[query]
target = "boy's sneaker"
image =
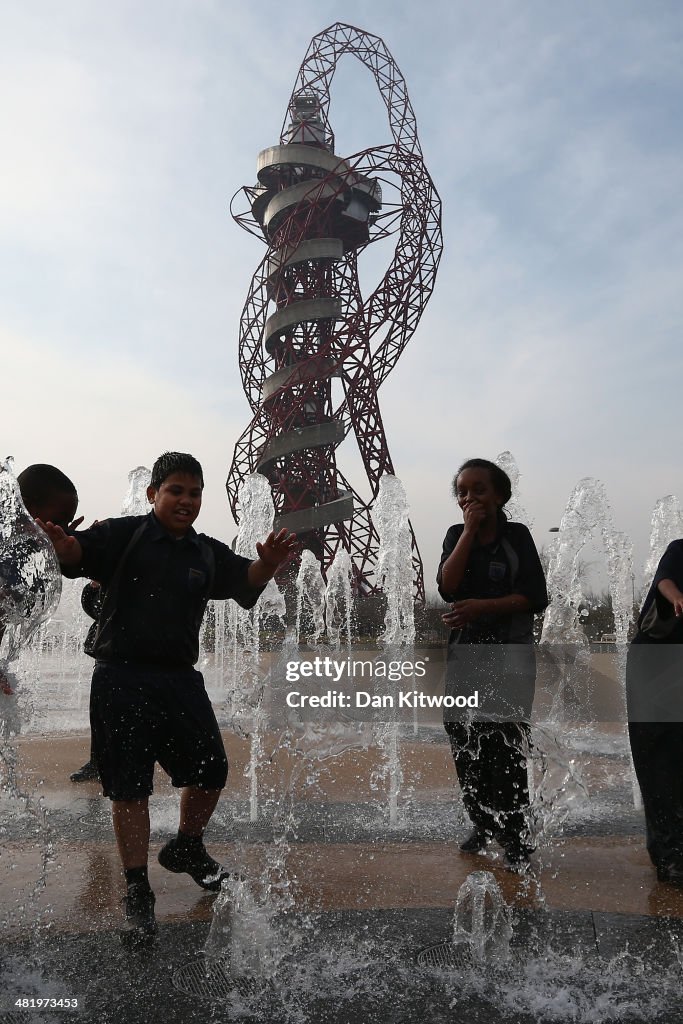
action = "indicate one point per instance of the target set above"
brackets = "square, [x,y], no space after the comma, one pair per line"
[195,862]
[141,926]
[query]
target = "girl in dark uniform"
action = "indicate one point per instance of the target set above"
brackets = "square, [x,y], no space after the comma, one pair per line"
[491,572]
[655,714]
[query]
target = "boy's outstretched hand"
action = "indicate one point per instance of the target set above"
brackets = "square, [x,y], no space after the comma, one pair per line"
[67,548]
[275,549]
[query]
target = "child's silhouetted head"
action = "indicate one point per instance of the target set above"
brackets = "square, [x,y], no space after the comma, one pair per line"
[48,494]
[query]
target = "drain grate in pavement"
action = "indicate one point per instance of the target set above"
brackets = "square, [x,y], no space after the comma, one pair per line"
[211,979]
[446,955]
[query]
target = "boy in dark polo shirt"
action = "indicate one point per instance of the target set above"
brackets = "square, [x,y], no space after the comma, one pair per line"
[147,701]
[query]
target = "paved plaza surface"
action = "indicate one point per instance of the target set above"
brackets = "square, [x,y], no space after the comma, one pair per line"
[358,896]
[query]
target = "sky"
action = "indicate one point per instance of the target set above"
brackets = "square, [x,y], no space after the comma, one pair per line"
[553,135]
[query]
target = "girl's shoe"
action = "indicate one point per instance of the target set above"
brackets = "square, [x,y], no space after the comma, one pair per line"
[476,841]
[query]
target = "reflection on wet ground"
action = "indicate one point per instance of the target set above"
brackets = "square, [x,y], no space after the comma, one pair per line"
[342,854]
[592,887]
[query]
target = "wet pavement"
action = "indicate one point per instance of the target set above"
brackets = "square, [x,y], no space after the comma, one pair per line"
[595,935]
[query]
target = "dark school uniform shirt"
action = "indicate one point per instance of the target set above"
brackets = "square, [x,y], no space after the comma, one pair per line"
[162,591]
[509,565]
[670,568]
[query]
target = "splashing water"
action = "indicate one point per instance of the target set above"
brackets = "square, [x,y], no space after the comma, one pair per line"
[557,790]
[395,576]
[236,631]
[310,600]
[30,577]
[550,985]
[514,507]
[587,510]
[339,600]
[667,525]
[30,586]
[242,930]
[394,562]
[482,919]
[554,986]
[136,502]
[256,522]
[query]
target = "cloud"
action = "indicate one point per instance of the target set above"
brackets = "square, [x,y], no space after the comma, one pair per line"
[98,418]
[552,135]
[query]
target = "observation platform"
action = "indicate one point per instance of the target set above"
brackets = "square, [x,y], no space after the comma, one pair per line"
[592,926]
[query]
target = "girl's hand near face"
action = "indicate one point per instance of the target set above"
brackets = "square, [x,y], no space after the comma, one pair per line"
[473,515]
[464,612]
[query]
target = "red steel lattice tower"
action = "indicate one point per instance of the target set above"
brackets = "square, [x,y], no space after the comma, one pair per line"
[313,352]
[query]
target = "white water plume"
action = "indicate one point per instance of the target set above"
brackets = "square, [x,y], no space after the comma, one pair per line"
[482,918]
[666,525]
[394,571]
[339,600]
[587,513]
[514,507]
[136,502]
[310,600]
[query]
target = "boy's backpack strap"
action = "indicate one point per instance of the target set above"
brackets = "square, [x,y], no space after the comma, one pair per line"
[512,559]
[210,559]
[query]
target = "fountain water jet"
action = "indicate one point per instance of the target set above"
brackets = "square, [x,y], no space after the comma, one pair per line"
[30,586]
[339,600]
[666,525]
[394,570]
[136,502]
[514,508]
[242,930]
[30,577]
[310,601]
[296,978]
[394,573]
[481,927]
[256,522]
[482,918]
[587,511]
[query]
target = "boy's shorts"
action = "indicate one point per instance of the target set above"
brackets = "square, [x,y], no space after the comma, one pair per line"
[140,715]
